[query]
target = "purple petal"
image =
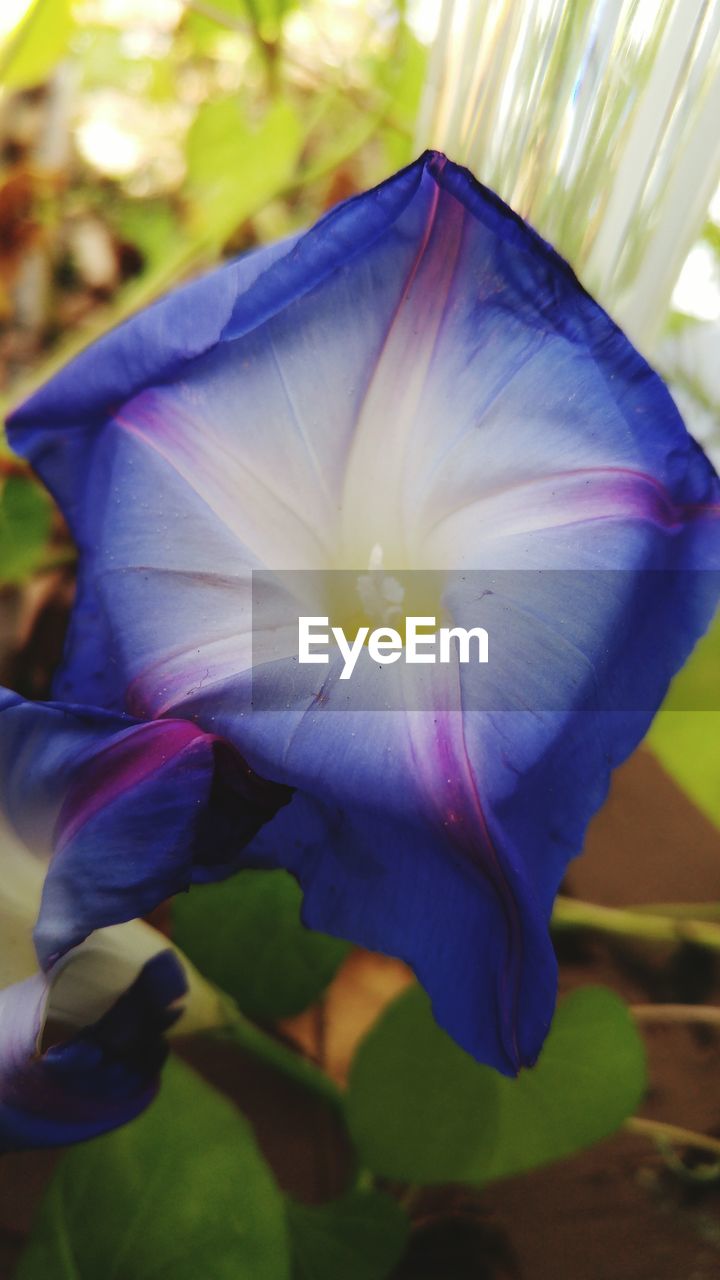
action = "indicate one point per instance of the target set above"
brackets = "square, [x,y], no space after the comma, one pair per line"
[93,1081]
[127,813]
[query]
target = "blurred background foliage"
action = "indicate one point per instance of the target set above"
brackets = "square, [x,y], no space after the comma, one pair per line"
[141,140]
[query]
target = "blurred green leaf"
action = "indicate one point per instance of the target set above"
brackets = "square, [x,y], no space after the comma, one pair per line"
[684,736]
[361,1237]
[265,17]
[149,225]
[182,1192]
[421,1110]
[204,23]
[234,167]
[711,236]
[25,520]
[403,80]
[339,133]
[105,64]
[33,49]
[697,685]
[246,936]
[686,744]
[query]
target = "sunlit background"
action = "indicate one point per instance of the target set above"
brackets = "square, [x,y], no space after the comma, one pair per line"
[143,137]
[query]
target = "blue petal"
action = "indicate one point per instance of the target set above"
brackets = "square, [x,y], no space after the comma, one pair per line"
[97,1079]
[130,813]
[419,377]
[476,940]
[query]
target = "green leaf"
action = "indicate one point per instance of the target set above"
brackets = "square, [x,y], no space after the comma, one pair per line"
[25,520]
[686,731]
[687,744]
[696,686]
[233,167]
[33,49]
[404,80]
[591,1075]
[182,1192]
[361,1237]
[246,936]
[204,31]
[264,17]
[421,1110]
[267,15]
[149,225]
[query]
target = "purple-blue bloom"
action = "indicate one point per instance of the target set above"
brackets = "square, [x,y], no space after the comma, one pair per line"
[418,382]
[101,819]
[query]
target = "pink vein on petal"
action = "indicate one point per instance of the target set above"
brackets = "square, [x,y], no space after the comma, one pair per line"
[441,756]
[122,765]
[590,493]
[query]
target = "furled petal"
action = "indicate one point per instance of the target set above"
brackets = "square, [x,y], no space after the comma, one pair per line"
[418,383]
[128,813]
[81,1045]
[95,1078]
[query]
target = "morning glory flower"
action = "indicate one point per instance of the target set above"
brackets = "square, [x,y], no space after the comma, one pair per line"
[416,386]
[101,818]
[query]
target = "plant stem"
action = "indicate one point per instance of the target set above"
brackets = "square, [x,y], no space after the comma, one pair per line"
[259,1044]
[673,1134]
[681,910]
[213,13]
[632,923]
[706,1014]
